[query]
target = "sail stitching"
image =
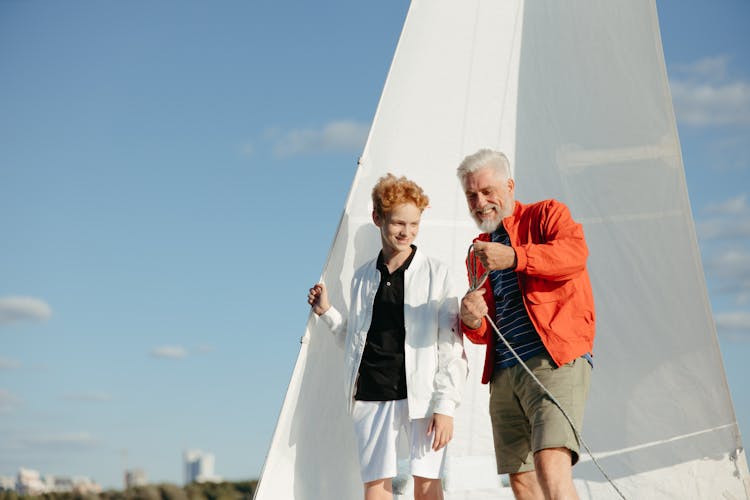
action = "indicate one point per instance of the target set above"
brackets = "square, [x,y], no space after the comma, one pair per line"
[630,449]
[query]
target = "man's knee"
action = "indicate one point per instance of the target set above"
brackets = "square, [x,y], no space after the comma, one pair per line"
[554,468]
[554,459]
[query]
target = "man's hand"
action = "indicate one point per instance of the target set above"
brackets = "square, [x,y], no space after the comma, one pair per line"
[442,427]
[473,309]
[495,256]
[318,299]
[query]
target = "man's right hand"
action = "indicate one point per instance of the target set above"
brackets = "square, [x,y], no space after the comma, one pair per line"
[318,299]
[495,256]
[473,308]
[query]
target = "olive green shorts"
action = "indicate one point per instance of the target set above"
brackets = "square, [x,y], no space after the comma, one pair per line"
[525,420]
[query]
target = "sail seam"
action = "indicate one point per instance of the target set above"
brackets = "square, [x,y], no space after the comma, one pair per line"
[622,451]
[631,217]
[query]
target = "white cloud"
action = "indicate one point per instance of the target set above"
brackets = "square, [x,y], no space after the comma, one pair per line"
[730,220]
[63,442]
[706,104]
[15,309]
[336,136]
[92,396]
[703,95]
[735,325]
[730,228]
[708,68]
[731,262]
[732,206]
[8,401]
[169,351]
[248,149]
[9,364]
[730,273]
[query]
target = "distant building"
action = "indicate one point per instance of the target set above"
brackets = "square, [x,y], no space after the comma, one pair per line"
[199,467]
[68,484]
[84,485]
[135,477]
[7,483]
[58,484]
[29,482]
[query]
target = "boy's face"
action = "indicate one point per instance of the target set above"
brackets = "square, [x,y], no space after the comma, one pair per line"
[398,228]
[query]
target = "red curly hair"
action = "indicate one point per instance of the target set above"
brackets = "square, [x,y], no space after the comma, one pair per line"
[392,191]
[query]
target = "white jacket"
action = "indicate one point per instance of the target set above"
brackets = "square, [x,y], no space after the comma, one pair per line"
[436,365]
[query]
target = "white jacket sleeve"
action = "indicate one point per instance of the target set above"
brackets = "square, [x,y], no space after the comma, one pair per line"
[336,323]
[452,363]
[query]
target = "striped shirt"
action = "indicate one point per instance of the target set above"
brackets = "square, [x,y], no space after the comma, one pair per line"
[511,317]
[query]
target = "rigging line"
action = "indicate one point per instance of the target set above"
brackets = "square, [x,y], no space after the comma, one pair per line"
[469,74]
[475,283]
[506,92]
[457,200]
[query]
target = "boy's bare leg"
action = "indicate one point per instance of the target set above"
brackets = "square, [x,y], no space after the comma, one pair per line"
[380,489]
[427,489]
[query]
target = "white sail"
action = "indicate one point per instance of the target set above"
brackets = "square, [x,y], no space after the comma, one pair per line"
[576,94]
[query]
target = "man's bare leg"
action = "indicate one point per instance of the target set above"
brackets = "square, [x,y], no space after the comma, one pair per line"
[525,486]
[554,470]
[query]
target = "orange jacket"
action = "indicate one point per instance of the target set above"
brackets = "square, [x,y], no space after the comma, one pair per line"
[551,252]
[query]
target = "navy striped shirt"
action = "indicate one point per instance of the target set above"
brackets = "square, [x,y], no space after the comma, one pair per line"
[511,317]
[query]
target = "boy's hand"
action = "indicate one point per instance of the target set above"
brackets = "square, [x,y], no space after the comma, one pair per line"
[318,299]
[442,427]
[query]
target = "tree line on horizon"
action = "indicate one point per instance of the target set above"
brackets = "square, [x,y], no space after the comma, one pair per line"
[241,490]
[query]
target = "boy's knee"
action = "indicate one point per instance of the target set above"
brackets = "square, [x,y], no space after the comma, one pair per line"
[427,489]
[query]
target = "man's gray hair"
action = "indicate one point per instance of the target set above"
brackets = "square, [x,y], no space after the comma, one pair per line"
[484,158]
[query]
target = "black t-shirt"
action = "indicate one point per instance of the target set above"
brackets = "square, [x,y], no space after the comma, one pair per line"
[382,373]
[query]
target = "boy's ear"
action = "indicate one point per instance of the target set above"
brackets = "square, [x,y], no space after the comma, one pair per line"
[377,219]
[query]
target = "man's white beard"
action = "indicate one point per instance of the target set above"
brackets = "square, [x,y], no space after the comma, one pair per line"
[487,226]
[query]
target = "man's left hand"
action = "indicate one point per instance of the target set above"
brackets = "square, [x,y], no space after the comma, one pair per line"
[442,428]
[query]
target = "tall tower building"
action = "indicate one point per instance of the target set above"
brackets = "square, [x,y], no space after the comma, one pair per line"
[199,467]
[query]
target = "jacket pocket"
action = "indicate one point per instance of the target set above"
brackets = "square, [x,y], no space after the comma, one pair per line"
[542,291]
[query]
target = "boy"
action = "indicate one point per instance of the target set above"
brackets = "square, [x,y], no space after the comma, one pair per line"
[404,361]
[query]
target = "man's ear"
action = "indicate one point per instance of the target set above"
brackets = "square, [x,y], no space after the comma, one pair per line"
[511,184]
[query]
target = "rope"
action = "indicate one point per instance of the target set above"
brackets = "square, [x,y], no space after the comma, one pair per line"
[475,282]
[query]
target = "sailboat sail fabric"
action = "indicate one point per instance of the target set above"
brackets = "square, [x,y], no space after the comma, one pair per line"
[576,94]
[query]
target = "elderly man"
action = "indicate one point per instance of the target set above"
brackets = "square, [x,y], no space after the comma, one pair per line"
[539,297]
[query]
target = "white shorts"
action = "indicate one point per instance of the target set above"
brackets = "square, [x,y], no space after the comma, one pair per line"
[377,427]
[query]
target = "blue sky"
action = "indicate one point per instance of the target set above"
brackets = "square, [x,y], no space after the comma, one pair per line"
[171,177]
